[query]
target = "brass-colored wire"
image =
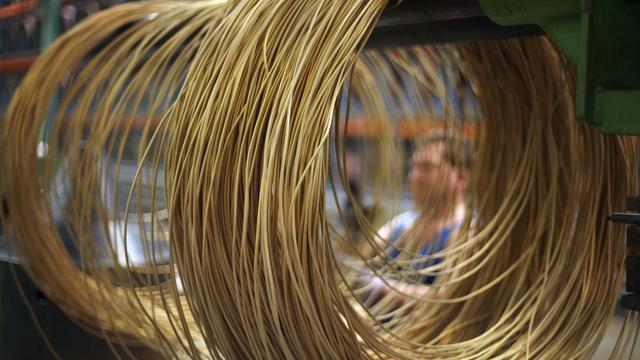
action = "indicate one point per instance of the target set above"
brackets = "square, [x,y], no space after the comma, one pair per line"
[232,164]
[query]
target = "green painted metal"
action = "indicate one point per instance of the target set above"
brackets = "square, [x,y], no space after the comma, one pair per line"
[601,38]
[621,106]
[50,22]
[516,12]
[560,19]
[50,30]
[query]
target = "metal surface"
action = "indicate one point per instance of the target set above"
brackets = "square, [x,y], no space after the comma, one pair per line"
[631,218]
[422,11]
[50,22]
[50,30]
[469,29]
[627,218]
[420,22]
[600,38]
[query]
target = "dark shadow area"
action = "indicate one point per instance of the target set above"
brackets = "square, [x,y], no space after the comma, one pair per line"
[19,338]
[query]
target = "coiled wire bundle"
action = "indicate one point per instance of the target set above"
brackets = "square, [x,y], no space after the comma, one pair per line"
[232,158]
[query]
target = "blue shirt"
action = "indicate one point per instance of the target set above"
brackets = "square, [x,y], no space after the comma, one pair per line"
[437,243]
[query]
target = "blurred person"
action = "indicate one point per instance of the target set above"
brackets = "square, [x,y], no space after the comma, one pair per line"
[436,183]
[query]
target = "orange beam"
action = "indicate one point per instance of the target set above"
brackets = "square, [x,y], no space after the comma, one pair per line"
[16,64]
[20,8]
[405,129]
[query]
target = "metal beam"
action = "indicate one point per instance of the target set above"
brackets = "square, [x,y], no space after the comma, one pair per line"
[421,22]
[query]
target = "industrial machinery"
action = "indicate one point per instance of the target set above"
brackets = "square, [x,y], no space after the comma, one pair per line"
[598,36]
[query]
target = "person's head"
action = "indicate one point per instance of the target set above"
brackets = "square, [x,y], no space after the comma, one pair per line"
[438,169]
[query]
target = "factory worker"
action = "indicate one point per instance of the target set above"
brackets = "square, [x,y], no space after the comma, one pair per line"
[413,240]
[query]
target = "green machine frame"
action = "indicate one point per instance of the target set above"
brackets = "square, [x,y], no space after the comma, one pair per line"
[602,38]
